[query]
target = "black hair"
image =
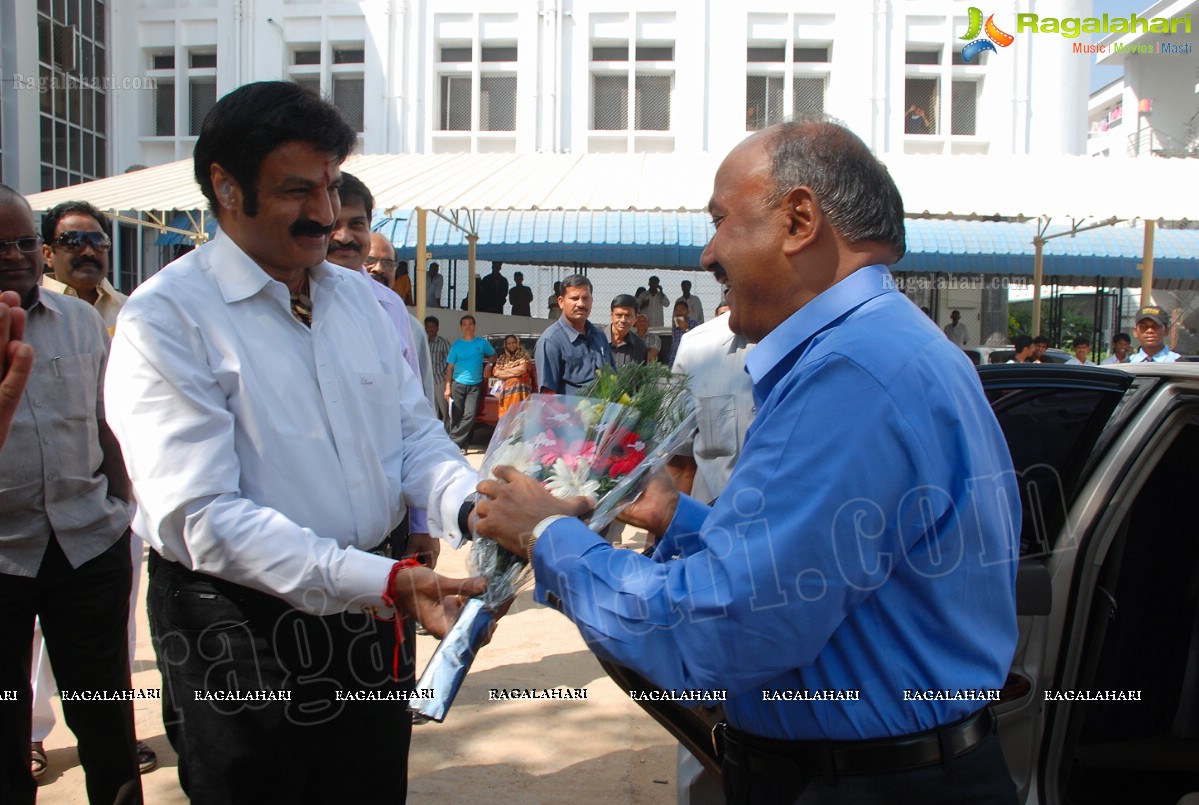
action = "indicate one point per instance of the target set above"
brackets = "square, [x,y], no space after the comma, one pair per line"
[575,281]
[624,300]
[1041,339]
[255,119]
[467,316]
[853,188]
[1082,342]
[433,319]
[352,189]
[58,212]
[1022,343]
[11,196]
[1121,337]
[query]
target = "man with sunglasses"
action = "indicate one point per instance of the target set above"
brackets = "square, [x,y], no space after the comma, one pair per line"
[76,241]
[64,533]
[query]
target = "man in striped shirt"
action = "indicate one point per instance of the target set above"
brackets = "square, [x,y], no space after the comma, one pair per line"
[439,348]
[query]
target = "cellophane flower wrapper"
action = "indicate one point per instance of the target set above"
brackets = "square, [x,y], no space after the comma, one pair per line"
[585,445]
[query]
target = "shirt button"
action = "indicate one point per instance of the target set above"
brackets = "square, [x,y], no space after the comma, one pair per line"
[46,440]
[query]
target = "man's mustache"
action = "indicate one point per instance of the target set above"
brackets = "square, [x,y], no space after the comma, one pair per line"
[88,261]
[310,228]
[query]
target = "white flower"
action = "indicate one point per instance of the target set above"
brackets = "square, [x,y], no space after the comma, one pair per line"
[514,454]
[567,484]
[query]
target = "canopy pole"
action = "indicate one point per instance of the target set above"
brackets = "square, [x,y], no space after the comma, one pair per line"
[422,259]
[1147,267]
[1038,269]
[472,243]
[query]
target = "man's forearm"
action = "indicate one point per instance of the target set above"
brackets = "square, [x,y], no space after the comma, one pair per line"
[112,465]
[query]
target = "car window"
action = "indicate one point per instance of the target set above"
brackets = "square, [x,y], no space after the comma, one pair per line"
[1052,424]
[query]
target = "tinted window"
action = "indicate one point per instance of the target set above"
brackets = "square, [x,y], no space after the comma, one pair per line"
[1051,433]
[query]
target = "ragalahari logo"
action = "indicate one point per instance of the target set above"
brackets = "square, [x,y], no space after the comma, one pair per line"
[993,37]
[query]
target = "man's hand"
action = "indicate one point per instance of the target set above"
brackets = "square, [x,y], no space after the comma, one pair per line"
[16,359]
[432,599]
[424,549]
[514,504]
[654,509]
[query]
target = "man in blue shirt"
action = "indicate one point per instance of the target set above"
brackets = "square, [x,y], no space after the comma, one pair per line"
[464,380]
[860,622]
[572,349]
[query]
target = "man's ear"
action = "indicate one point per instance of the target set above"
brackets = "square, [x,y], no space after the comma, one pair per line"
[225,186]
[803,217]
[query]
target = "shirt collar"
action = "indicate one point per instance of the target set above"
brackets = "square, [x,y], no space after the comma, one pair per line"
[571,333]
[105,289]
[239,277]
[801,326]
[50,302]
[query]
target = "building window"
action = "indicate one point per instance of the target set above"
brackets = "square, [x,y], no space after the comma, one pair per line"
[769,66]
[72,54]
[921,96]
[940,93]
[649,76]
[494,73]
[962,119]
[334,72]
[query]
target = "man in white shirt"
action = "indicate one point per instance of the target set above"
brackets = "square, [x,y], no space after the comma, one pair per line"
[955,331]
[1121,347]
[275,435]
[695,308]
[1151,334]
[1082,352]
[714,358]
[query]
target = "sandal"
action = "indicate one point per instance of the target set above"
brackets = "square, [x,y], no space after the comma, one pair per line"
[37,759]
[147,758]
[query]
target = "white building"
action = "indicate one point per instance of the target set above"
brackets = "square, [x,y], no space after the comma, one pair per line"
[479,76]
[577,75]
[1153,109]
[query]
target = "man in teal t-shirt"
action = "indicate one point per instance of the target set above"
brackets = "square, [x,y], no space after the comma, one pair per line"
[464,380]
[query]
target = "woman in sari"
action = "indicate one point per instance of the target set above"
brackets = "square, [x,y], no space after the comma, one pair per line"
[515,368]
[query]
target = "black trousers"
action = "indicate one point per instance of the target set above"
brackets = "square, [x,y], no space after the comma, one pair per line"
[215,640]
[84,613]
[465,401]
[977,777]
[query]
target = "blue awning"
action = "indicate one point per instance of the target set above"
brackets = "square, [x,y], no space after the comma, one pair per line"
[676,240]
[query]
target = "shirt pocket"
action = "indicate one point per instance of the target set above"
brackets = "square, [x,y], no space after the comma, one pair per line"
[717,420]
[74,381]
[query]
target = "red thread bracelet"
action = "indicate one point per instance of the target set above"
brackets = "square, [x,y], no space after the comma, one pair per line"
[398,614]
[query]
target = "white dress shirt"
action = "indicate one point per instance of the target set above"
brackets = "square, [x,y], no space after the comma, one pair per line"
[715,360]
[265,452]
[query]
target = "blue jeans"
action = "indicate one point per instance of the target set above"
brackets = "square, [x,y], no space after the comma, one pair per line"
[214,638]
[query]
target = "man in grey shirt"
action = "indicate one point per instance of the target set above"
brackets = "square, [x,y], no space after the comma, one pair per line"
[64,534]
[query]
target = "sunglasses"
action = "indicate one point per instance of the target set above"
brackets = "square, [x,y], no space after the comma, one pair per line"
[75,241]
[26,245]
[386,263]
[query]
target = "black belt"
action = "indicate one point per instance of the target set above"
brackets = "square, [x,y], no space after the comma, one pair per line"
[829,758]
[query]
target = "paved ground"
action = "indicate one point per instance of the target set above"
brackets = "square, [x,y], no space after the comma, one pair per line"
[600,750]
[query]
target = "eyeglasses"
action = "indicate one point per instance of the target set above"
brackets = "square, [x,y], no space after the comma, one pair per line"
[25,245]
[76,241]
[385,263]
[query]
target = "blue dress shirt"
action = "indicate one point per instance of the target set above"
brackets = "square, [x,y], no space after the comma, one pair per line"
[567,359]
[867,539]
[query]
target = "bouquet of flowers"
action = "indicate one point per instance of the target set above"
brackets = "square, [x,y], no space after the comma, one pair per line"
[602,443]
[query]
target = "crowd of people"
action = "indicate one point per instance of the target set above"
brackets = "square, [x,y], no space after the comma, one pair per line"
[287,439]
